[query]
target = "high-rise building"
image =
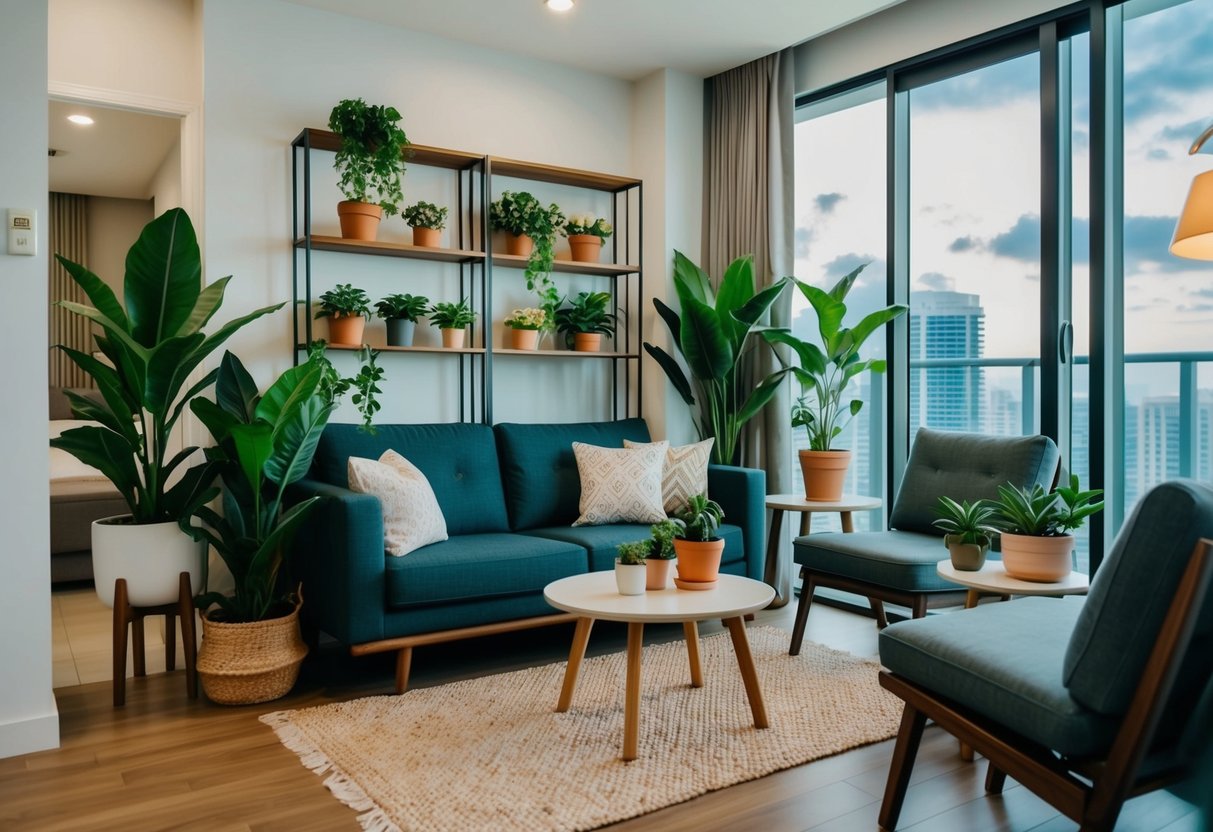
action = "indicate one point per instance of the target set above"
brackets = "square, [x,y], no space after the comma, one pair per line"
[946,325]
[1159,442]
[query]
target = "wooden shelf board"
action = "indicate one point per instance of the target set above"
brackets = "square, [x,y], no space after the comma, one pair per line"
[383,249]
[446,350]
[565,354]
[559,175]
[419,154]
[514,261]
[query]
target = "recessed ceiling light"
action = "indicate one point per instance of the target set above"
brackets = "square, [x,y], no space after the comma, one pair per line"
[80,119]
[560,5]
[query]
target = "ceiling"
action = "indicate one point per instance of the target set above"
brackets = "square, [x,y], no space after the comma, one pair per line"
[116,156]
[623,38]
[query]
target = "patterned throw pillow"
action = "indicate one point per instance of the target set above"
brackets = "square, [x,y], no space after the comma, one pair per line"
[412,517]
[620,485]
[685,473]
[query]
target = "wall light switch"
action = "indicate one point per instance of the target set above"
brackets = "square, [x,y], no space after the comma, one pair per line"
[22,231]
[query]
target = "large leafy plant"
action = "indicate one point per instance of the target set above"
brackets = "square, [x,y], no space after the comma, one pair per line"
[371,157]
[152,348]
[712,335]
[826,370]
[1039,513]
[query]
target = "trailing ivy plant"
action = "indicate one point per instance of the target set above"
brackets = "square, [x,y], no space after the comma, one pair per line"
[371,157]
[522,214]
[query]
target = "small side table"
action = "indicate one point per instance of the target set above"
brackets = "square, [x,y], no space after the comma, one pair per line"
[779,503]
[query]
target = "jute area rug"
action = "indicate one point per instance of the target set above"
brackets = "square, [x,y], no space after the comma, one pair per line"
[491,753]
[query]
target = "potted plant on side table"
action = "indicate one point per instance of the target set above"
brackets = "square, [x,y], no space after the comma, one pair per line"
[452,319]
[630,571]
[347,308]
[1036,528]
[585,320]
[371,163]
[587,235]
[968,528]
[427,221]
[401,313]
[524,326]
[696,543]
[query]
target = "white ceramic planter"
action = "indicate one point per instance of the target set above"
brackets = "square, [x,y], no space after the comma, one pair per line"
[150,557]
[630,578]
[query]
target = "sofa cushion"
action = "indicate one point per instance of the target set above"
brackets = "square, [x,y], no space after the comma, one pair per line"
[476,566]
[619,485]
[540,474]
[966,466]
[1003,661]
[459,460]
[684,474]
[1130,596]
[901,560]
[411,515]
[601,541]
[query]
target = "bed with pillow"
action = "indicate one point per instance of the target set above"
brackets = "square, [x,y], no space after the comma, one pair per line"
[80,494]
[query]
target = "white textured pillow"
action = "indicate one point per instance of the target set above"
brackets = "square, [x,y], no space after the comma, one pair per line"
[685,473]
[620,485]
[412,517]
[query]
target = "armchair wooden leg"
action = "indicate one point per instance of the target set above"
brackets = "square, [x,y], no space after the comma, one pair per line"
[995,779]
[802,613]
[902,765]
[919,609]
[877,606]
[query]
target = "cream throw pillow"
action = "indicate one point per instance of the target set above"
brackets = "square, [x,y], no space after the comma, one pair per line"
[620,485]
[685,473]
[412,517]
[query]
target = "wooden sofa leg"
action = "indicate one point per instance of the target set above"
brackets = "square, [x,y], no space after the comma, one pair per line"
[902,765]
[404,663]
[877,606]
[996,778]
[802,612]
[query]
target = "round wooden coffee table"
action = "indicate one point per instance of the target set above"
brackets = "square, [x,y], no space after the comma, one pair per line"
[992,579]
[594,596]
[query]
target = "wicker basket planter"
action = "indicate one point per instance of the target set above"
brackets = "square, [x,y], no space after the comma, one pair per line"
[242,664]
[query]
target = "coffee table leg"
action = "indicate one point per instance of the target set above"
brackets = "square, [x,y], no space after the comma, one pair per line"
[581,637]
[691,630]
[749,674]
[631,706]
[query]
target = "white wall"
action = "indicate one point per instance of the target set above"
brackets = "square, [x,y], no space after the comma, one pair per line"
[29,719]
[113,226]
[903,31]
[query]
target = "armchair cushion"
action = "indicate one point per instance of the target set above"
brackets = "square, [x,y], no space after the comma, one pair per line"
[896,559]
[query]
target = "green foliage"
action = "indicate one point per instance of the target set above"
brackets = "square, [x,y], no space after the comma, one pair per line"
[521,213]
[371,157]
[447,315]
[634,553]
[586,313]
[408,307]
[425,215]
[700,519]
[344,301]
[970,522]
[663,539]
[1040,513]
[587,224]
[827,370]
[529,318]
[154,345]
[712,335]
[365,382]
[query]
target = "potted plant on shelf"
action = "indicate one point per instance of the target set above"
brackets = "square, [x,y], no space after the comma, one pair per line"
[1036,528]
[661,554]
[401,313]
[585,320]
[712,334]
[532,233]
[587,235]
[524,326]
[696,543]
[371,163]
[346,307]
[825,373]
[151,348]
[968,527]
[453,319]
[427,221]
[630,571]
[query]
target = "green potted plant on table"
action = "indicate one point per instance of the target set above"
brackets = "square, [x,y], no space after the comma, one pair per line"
[151,347]
[524,326]
[629,567]
[661,554]
[347,308]
[968,527]
[401,313]
[427,221]
[696,543]
[712,335]
[532,233]
[1036,528]
[825,373]
[453,319]
[585,320]
[371,163]
[587,235]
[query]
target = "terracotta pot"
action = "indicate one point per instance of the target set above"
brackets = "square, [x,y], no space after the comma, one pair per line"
[630,578]
[824,473]
[431,237]
[151,557]
[585,248]
[966,557]
[400,332]
[453,338]
[241,664]
[699,560]
[523,339]
[658,570]
[359,220]
[346,330]
[519,244]
[587,341]
[1041,559]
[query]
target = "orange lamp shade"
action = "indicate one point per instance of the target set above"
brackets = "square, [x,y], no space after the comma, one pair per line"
[1194,231]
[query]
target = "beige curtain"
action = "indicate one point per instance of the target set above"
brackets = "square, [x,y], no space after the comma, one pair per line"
[68,231]
[748,210]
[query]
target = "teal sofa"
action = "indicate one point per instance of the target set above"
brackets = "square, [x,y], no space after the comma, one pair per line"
[509,494]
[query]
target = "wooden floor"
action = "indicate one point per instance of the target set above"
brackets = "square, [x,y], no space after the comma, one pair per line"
[165,762]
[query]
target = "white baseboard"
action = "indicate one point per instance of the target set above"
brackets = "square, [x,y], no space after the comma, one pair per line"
[37,733]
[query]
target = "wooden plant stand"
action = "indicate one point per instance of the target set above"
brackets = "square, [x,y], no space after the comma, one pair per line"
[125,616]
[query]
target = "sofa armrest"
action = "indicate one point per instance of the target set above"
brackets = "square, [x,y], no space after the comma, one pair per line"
[338,555]
[742,492]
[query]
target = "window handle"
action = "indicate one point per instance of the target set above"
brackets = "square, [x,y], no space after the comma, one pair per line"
[1065,342]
